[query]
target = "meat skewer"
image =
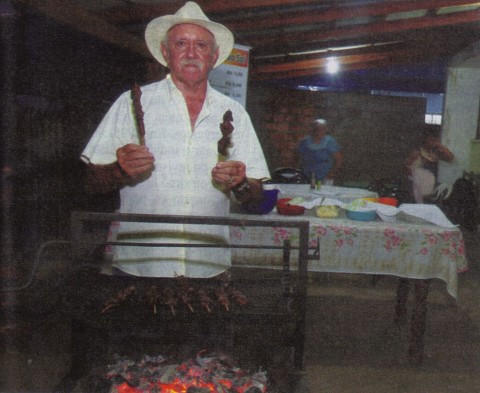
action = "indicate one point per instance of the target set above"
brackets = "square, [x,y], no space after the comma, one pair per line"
[226,128]
[119,298]
[205,300]
[153,297]
[237,296]
[136,94]
[185,291]
[169,298]
[222,298]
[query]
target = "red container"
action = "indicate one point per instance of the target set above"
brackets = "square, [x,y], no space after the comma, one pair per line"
[388,201]
[289,210]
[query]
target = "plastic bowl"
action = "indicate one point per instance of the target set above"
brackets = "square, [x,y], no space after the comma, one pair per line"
[386,217]
[289,210]
[362,215]
[268,203]
[388,201]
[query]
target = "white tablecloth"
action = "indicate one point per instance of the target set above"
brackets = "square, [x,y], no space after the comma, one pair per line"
[410,249]
[343,194]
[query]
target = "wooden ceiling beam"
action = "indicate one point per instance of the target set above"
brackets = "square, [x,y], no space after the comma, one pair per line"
[379,63]
[320,63]
[366,30]
[338,13]
[348,62]
[70,14]
[142,13]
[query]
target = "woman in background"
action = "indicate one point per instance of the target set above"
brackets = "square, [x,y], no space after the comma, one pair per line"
[320,154]
[422,164]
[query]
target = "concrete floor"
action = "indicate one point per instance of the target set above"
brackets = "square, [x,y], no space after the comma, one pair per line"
[352,344]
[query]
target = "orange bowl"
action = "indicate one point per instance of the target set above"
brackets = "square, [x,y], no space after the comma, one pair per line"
[388,201]
[289,210]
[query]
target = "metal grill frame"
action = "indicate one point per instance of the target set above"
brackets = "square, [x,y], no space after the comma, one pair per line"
[80,218]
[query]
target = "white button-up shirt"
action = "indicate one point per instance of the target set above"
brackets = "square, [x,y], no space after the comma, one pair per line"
[181,182]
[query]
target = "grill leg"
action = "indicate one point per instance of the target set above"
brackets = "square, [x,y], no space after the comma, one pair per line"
[87,346]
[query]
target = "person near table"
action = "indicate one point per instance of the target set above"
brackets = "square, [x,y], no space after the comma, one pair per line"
[422,164]
[320,154]
[179,170]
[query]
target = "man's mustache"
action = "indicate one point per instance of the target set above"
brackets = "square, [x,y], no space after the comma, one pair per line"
[192,62]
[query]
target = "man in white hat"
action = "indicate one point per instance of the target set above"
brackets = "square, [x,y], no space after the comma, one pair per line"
[178,171]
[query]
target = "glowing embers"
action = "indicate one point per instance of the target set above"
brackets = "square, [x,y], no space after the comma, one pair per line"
[205,373]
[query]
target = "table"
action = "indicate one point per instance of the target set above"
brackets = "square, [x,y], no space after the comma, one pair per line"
[409,249]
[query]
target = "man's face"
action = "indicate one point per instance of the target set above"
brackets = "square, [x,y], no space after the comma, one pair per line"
[190,53]
[319,130]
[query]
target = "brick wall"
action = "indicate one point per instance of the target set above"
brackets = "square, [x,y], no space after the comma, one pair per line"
[375,132]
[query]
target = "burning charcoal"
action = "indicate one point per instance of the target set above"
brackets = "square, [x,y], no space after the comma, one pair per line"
[209,373]
[167,373]
[253,389]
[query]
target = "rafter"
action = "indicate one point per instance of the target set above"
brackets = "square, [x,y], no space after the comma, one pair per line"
[69,13]
[364,60]
[367,29]
[307,17]
[140,13]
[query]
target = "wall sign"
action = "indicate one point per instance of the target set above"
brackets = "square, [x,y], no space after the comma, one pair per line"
[231,77]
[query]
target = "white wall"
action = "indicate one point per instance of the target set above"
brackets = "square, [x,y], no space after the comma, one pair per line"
[460,117]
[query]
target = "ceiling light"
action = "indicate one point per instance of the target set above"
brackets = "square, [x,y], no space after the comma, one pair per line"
[332,65]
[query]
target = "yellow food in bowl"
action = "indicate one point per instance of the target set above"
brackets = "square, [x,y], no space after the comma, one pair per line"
[327,211]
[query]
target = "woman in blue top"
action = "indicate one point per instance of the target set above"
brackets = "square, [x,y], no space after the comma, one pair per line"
[320,153]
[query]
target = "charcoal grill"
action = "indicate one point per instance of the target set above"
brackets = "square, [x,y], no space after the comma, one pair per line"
[276,298]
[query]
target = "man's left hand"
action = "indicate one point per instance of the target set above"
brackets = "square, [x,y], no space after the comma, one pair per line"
[229,173]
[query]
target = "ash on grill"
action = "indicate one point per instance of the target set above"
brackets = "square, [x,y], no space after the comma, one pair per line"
[206,373]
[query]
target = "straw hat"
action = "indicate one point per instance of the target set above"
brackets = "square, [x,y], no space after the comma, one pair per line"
[157,29]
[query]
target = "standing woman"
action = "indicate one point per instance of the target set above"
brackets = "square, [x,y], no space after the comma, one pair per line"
[320,154]
[422,164]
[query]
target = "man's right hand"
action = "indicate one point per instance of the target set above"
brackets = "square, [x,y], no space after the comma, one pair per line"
[135,160]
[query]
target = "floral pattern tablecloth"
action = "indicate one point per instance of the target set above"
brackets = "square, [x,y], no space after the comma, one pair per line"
[407,249]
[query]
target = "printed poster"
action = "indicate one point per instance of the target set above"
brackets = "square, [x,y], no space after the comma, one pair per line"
[231,77]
